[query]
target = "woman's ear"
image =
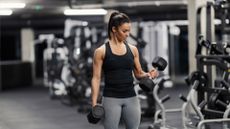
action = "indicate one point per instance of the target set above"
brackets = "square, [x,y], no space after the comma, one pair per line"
[114,29]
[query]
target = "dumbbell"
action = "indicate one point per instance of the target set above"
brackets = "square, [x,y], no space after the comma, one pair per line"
[147,84]
[95,115]
[197,76]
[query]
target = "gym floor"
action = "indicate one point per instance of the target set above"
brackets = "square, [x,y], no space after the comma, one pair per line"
[31,108]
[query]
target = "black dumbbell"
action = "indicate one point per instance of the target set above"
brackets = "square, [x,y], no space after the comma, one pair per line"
[197,76]
[95,114]
[159,63]
[146,84]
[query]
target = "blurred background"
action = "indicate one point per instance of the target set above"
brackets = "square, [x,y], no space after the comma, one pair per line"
[46,50]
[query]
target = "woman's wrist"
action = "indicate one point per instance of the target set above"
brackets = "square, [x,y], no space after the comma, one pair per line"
[146,74]
[94,104]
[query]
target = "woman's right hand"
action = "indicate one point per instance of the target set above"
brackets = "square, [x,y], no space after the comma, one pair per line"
[94,104]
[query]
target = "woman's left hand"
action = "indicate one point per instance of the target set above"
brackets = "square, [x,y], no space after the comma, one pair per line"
[153,73]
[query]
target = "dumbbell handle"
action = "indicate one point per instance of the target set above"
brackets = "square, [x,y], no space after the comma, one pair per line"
[196,84]
[213,111]
[221,103]
[202,104]
[225,84]
[165,98]
[183,98]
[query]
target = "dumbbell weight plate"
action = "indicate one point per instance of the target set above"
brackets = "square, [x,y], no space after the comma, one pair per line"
[159,63]
[212,100]
[95,114]
[197,75]
[98,111]
[146,84]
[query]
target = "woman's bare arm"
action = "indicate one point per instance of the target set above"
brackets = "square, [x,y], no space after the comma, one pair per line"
[96,79]
[138,72]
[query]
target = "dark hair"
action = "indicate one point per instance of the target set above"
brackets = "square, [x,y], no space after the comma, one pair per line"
[116,19]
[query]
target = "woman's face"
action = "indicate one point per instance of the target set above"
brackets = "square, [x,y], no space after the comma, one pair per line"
[122,32]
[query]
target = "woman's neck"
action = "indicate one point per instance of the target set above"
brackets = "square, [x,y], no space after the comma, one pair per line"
[116,42]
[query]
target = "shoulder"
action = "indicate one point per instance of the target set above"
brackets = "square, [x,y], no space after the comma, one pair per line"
[133,48]
[100,51]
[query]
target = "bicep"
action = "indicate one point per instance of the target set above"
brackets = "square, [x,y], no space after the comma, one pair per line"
[137,65]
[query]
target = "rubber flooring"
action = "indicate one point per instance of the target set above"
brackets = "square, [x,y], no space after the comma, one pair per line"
[32,108]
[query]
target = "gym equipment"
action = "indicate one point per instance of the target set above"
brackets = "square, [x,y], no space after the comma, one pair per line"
[214,48]
[218,99]
[206,109]
[160,115]
[215,101]
[217,55]
[201,121]
[95,115]
[225,120]
[215,91]
[54,61]
[149,109]
[146,84]
[191,100]
[197,75]
[160,64]
[81,42]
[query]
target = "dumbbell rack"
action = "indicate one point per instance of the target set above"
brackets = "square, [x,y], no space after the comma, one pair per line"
[225,120]
[191,100]
[210,89]
[160,123]
[198,109]
[202,108]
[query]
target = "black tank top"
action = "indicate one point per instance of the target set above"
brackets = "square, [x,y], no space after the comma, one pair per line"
[118,73]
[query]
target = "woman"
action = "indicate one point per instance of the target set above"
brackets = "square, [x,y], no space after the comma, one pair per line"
[119,61]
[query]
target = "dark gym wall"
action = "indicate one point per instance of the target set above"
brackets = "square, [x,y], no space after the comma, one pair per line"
[10,45]
[182,53]
[178,53]
[14,72]
[39,48]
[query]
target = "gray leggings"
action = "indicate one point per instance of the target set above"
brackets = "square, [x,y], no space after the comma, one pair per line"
[127,108]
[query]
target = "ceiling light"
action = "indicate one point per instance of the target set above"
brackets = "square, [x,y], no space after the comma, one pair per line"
[85,12]
[12,5]
[5,12]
